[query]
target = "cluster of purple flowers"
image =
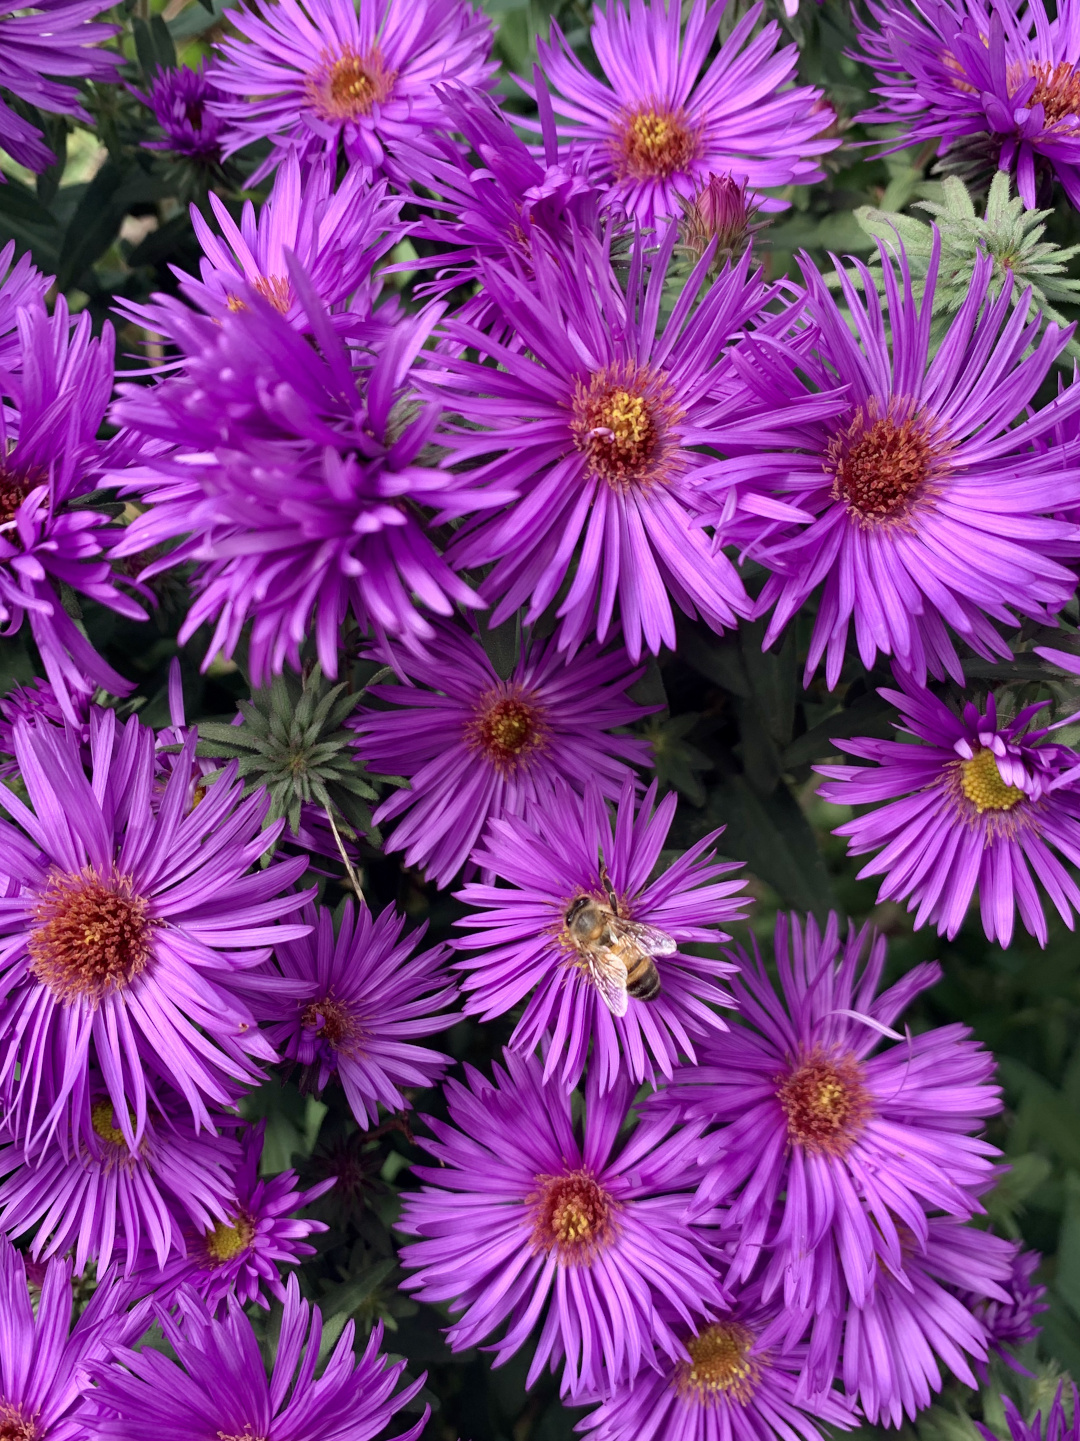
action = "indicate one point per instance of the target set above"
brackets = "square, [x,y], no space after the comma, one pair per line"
[719,1196]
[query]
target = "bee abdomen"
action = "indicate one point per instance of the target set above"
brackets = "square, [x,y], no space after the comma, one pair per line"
[644,983]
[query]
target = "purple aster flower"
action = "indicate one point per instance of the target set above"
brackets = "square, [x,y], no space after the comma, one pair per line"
[180,98]
[126,920]
[475,747]
[570,853]
[739,1381]
[592,422]
[337,235]
[34,703]
[526,1222]
[97,1192]
[656,127]
[890,478]
[298,480]
[39,44]
[856,1144]
[1012,1323]
[217,1384]
[492,194]
[1055,1426]
[50,457]
[22,287]
[358,1001]
[974,804]
[365,74]
[985,77]
[43,1358]
[238,1254]
[889,1350]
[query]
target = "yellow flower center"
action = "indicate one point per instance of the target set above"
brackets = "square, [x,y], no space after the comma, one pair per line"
[653,143]
[573,1216]
[103,1120]
[226,1241]
[981,782]
[720,1365]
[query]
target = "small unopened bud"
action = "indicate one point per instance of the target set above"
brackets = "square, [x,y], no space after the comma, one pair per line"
[719,211]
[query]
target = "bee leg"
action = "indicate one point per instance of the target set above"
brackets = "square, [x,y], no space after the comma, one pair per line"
[605,881]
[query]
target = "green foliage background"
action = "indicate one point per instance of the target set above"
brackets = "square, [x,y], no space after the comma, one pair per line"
[737,735]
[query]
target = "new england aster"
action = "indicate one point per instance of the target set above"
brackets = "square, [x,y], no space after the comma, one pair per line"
[525,1222]
[592,424]
[889,1350]
[858,1145]
[739,1381]
[298,480]
[988,79]
[179,96]
[655,128]
[915,494]
[214,1383]
[125,917]
[476,746]
[358,1000]
[517,940]
[976,804]
[22,287]
[96,1193]
[43,1358]
[337,233]
[308,76]
[237,1256]
[52,403]
[38,44]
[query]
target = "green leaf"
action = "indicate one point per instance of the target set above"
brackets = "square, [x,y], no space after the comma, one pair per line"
[775,839]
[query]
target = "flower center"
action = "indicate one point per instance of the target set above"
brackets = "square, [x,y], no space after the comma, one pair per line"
[15,1425]
[507,728]
[349,86]
[274,288]
[92,935]
[622,422]
[331,1020]
[1057,90]
[573,1216]
[881,465]
[103,1120]
[225,1242]
[981,782]
[15,486]
[825,1102]
[720,1365]
[246,1435]
[653,143]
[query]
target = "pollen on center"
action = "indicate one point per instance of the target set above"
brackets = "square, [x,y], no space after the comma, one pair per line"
[981,783]
[825,1101]
[91,935]
[332,1021]
[573,1216]
[228,1239]
[508,725]
[623,422]
[721,1365]
[349,85]
[653,142]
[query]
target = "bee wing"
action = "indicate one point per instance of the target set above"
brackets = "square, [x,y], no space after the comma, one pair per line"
[651,941]
[608,974]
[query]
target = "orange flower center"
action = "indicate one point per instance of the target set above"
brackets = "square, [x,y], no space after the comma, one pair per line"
[331,1020]
[1057,90]
[349,85]
[573,1216]
[15,1425]
[882,465]
[622,422]
[720,1365]
[653,142]
[91,936]
[508,727]
[826,1103]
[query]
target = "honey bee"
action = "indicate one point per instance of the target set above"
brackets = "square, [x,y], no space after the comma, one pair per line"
[618,953]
